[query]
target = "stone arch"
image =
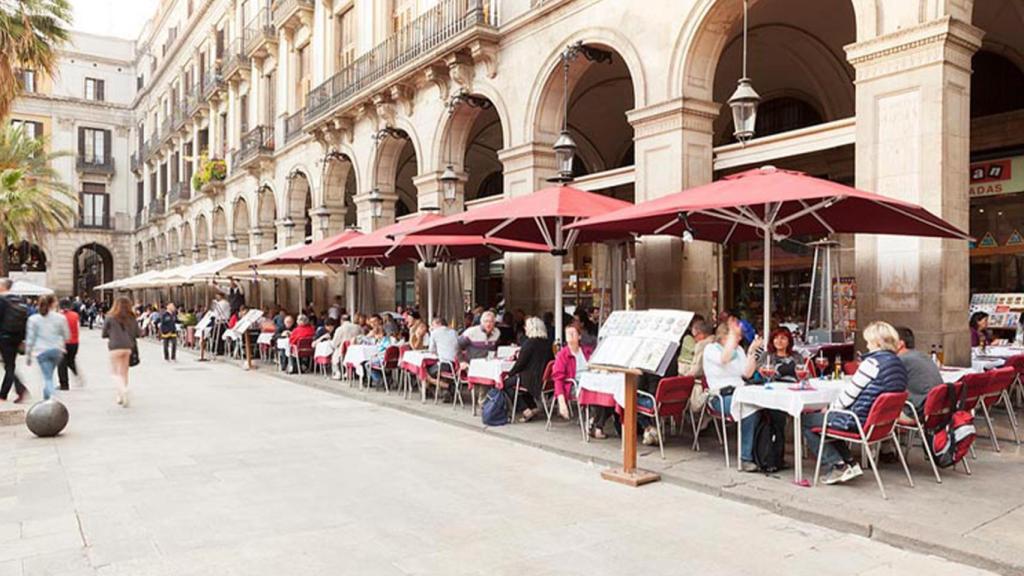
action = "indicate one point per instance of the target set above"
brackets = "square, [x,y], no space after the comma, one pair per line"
[396,163]
[240,225]
[174,243]
[473,136]
[25,256]
[93,264]
[188,240]
[219,228]
[340,186]
[707,31]
[298,188]
[201,230]
[544,107]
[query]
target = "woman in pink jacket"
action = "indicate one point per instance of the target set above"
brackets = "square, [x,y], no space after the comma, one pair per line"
[570,360]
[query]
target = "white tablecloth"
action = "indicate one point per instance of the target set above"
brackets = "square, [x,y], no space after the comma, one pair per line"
[324,348]
[613,383]
[749,399]
[358,354]
[417,357]
[282,344]
[265,338]
[951,374]
[980,364]
[488,369]
[998,351]
[505,352]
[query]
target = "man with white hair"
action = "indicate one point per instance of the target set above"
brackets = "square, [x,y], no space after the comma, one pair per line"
[479,340]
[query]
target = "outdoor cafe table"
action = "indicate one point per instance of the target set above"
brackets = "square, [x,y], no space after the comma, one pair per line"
[748,399]
[488,371]
[358,355]
[609,383]
[416,361]
[997,351]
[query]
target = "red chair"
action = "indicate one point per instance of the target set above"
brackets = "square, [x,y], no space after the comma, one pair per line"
[451,372]
[879,426]
[388,364]
[669,400]
[548,391]
[1017,388]
[850,368]
[303,348]
[545,379]
[322,364]
[997,389]
[938,408]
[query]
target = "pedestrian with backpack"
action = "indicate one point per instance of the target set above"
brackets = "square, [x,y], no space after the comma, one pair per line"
[13,318]
[46,336]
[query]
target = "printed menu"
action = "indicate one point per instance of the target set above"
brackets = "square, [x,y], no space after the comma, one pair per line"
[1004,310]
[641,339]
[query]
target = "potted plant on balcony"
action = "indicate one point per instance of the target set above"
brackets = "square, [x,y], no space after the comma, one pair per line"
[210,176]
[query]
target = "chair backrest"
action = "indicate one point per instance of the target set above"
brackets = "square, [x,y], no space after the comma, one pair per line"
[977,384]
[883,415]
[674,390]
[938,405]
[344,348]
[391,354]
[548,381]
[999,380]
[850,368]
[304,346]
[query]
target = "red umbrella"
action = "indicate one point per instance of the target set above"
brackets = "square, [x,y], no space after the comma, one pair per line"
[392,245]
[309,253]
[538,218]
[767,203]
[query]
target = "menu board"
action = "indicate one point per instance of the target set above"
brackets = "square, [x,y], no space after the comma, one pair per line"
[641,339]
[245,322]
[1003,310]
[204,322]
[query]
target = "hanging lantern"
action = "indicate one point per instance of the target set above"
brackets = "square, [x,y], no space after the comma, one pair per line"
[376,204]
[744,110]
[565,151]
[449,180]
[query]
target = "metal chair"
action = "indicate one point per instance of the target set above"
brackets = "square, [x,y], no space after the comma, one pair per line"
[545,377]
[879,426]
[720,419]
[991,392]
[938,408]
[303,348]
[388,364]
[670,399]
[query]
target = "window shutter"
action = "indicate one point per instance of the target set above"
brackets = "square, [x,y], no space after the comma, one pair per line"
[99,90]
[81,141]
[106,146]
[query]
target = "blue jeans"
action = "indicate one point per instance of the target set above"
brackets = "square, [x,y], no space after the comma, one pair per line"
[835,452]
[48,361]
[747,432]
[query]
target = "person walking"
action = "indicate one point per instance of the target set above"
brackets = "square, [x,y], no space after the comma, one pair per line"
[70,347]
[167,327]
[45,337]
[121,331]
[13,318]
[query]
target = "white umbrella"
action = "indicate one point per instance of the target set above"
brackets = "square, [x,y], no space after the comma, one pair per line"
[25,288]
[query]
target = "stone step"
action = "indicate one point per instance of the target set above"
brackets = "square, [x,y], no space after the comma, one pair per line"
[12,414]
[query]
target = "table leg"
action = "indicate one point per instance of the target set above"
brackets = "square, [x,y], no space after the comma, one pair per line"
[629,474]
[798,449]
[739,436]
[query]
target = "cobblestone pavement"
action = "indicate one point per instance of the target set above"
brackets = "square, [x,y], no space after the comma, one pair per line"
[218,471]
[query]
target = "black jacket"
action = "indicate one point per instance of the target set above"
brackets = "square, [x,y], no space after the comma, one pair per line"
[530,364]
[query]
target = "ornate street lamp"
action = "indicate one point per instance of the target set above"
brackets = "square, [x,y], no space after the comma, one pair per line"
[376,204]
[449,179]
[375,197]
[745,99]
[565,146]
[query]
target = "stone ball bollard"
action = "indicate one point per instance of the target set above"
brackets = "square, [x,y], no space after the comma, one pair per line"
[47,418]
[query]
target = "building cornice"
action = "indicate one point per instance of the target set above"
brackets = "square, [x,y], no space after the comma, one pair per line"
[943,40]
[104,105]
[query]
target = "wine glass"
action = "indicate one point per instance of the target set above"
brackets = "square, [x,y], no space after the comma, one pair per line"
[801,374]
[822,363]
[767,371]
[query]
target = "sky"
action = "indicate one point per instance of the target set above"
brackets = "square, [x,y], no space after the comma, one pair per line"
[122,18]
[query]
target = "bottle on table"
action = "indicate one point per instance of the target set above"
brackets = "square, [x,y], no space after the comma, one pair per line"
[941,357]
[935,355]
[837,369]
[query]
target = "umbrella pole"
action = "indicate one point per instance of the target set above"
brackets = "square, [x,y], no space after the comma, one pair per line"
[430,293]
[766,310]
[350,292]
[302,291]
[558,297]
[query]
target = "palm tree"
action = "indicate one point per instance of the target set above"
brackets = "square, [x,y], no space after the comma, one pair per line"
[33,199]
[31,31]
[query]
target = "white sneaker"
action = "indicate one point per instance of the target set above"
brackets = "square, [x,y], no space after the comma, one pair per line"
[650,436]
[852,471]
[124,400]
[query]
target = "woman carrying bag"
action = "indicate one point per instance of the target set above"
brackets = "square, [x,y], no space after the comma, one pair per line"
[121,331]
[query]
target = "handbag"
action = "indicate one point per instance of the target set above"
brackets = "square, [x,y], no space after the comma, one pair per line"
[133,360]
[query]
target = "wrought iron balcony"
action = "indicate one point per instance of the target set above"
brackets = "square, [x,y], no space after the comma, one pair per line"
[194,100]
[136,161]
[259,34]
[156,209]
[287,13]
[440,26]
[139,219]
[149,147]
[94,221]
[293,126]
[213,83]
[180,114]
[236,62]
[93,164]
[257,143]
[165,129]
[179,194]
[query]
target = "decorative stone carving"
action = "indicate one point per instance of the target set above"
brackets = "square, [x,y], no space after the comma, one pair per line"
[486,53]
[460,68]
[437,75]
[403,95]
[384,108]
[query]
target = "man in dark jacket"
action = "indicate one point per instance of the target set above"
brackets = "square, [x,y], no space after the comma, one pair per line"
[13,316]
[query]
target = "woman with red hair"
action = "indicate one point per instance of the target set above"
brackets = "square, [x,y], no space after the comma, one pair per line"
[781,355]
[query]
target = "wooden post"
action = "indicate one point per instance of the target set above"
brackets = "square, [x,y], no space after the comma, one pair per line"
[248,351]
[629,474]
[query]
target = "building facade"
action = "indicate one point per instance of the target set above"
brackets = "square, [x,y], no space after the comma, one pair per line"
[306,106]
[85,110]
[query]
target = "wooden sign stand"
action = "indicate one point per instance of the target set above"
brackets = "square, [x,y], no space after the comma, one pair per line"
[629,474]
[248,351]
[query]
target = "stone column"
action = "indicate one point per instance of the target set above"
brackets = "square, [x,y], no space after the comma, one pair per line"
[285,228]
[429,193]
[232,245]
[913,143]
[327,221]
[232,129]
[385,286]
[211,250]
[674,152]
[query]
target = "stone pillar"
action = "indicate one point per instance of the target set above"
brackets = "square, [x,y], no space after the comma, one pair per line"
[211,250]
[913,132]
[285,228]
[147,190]
[429,193]
[674,152]
[327,221]
[385,286]
[529,278]
[285,99]
[232,245]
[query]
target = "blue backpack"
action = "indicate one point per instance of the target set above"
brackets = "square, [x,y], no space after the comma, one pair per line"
[495,409]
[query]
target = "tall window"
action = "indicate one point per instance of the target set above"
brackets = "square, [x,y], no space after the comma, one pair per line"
[140,196]
[243,113]
[302,73]
[402,13]
[94,89]
[269,82]
[92,145]
[27,80]
[94,200]
[346,27]
[31,129]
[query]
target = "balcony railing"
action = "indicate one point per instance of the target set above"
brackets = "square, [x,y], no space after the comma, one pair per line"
[149,147]
[285,10]
[213,82]
[95,221]
[139,219]
[179,192]
[136,160]
[235,59]
[156,208]
[94,164]
[258,32]
[256,142]
[193,100]
[433,28]
[165,129]
[293,126]
[180,114]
